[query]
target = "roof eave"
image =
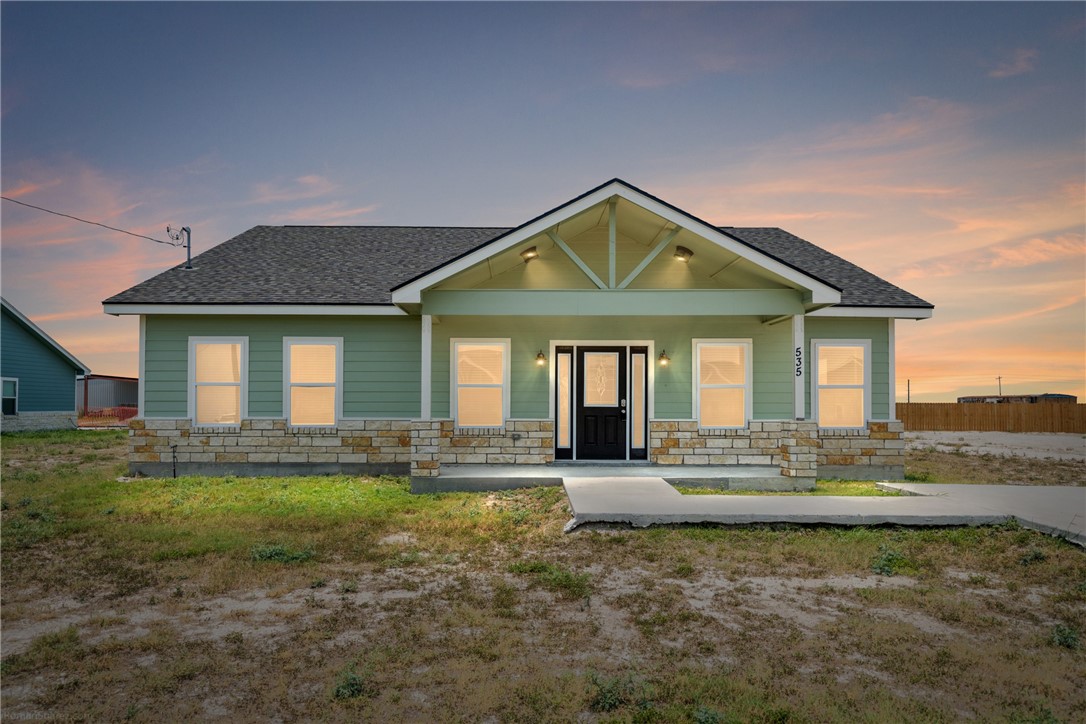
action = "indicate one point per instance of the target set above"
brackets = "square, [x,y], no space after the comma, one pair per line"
[873,312]
[326,310]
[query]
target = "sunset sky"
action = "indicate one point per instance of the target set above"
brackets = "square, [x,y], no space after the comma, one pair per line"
[941,146]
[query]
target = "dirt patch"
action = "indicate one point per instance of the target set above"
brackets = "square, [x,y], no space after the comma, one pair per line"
[935,466]
[1035,445]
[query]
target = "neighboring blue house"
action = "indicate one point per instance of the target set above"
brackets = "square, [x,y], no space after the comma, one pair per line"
[38,376]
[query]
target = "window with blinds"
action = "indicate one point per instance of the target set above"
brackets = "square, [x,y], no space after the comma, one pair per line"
[480,372]
[217,369]
[313,381]
[841,393]
[723,383]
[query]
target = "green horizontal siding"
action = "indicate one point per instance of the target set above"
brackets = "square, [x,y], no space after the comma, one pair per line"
[381,360]
[46,378]
[383,367]
[773,359]
[876,330]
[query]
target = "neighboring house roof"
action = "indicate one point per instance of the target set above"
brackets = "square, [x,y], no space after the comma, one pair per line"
[38,332]
[362,265]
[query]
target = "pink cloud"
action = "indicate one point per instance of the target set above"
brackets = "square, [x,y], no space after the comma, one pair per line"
[26,188]
[332,213]
[920,120]
[1002,255]
[304,187]
[1021,62]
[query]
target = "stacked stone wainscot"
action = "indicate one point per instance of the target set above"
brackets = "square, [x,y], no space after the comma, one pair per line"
[520,442]
[269,447]
[876,452]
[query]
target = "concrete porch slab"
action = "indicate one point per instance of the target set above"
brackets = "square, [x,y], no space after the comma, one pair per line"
[507,477]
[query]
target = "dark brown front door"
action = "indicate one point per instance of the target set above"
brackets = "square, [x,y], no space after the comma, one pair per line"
[601,403]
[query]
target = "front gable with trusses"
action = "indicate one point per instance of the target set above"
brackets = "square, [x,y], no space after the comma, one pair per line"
[616,250]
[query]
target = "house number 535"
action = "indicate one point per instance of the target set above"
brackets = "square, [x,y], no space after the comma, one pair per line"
[799,361]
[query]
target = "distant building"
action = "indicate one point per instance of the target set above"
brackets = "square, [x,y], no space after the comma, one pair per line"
[1047,397]
[94,393]
[38,375]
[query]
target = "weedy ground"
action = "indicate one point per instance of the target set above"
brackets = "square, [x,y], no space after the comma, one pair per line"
[336,598]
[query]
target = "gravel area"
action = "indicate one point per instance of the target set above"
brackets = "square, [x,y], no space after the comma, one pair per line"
[1038,445]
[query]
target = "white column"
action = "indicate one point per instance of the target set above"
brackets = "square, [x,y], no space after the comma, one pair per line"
[892,352]
[799,351]
[427,347]
[141,381]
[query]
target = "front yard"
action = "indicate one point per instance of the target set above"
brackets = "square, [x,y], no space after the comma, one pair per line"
[340,598]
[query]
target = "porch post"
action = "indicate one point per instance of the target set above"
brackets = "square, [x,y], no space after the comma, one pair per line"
[892,345]
[427,346]
[799,350]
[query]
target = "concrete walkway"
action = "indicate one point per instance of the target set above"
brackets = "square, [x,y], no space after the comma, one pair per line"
[1055,510]
[647,501]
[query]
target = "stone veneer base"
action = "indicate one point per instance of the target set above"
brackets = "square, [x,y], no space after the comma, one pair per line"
[268,470]
[477,485]
[26,421]
[861,472]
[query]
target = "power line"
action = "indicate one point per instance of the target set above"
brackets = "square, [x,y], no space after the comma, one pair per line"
[95,223]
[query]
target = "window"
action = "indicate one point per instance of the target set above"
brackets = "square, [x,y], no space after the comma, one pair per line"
[638,389]
[842,383]
[565,366]
[313,373]
[11,396]
[480,382]
[218,374]
[722,392]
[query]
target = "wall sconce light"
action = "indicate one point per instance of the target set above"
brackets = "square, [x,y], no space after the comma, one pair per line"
[541,359]
[664,359]
[528,254]
[683,254]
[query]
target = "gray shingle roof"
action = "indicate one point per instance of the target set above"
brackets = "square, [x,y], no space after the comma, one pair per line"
[362,264]
[307,265]
[859,287]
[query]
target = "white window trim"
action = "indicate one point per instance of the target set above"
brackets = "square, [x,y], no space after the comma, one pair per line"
[16,381]
[287,384]
[816,346]
[244,397]
[454,386]
[748,385]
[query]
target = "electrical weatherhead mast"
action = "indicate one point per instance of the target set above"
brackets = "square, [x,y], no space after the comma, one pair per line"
[176,236]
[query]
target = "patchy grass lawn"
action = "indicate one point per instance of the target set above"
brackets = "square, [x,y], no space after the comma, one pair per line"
[866,488]
[934,466]
[336,598]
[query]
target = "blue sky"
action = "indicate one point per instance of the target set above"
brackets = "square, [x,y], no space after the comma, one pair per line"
[939,145]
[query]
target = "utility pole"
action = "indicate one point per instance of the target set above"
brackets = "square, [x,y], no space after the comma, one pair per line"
[1000,381]
[908,391]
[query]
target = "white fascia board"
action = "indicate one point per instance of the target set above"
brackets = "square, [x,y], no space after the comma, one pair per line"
[412,293]
[335,310]
[874,312]
[44,337]
[821,293]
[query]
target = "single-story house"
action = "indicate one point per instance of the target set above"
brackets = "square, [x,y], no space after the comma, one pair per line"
[37,375]
[612,327]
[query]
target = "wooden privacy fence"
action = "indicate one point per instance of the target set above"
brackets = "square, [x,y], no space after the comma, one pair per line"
[993,417]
